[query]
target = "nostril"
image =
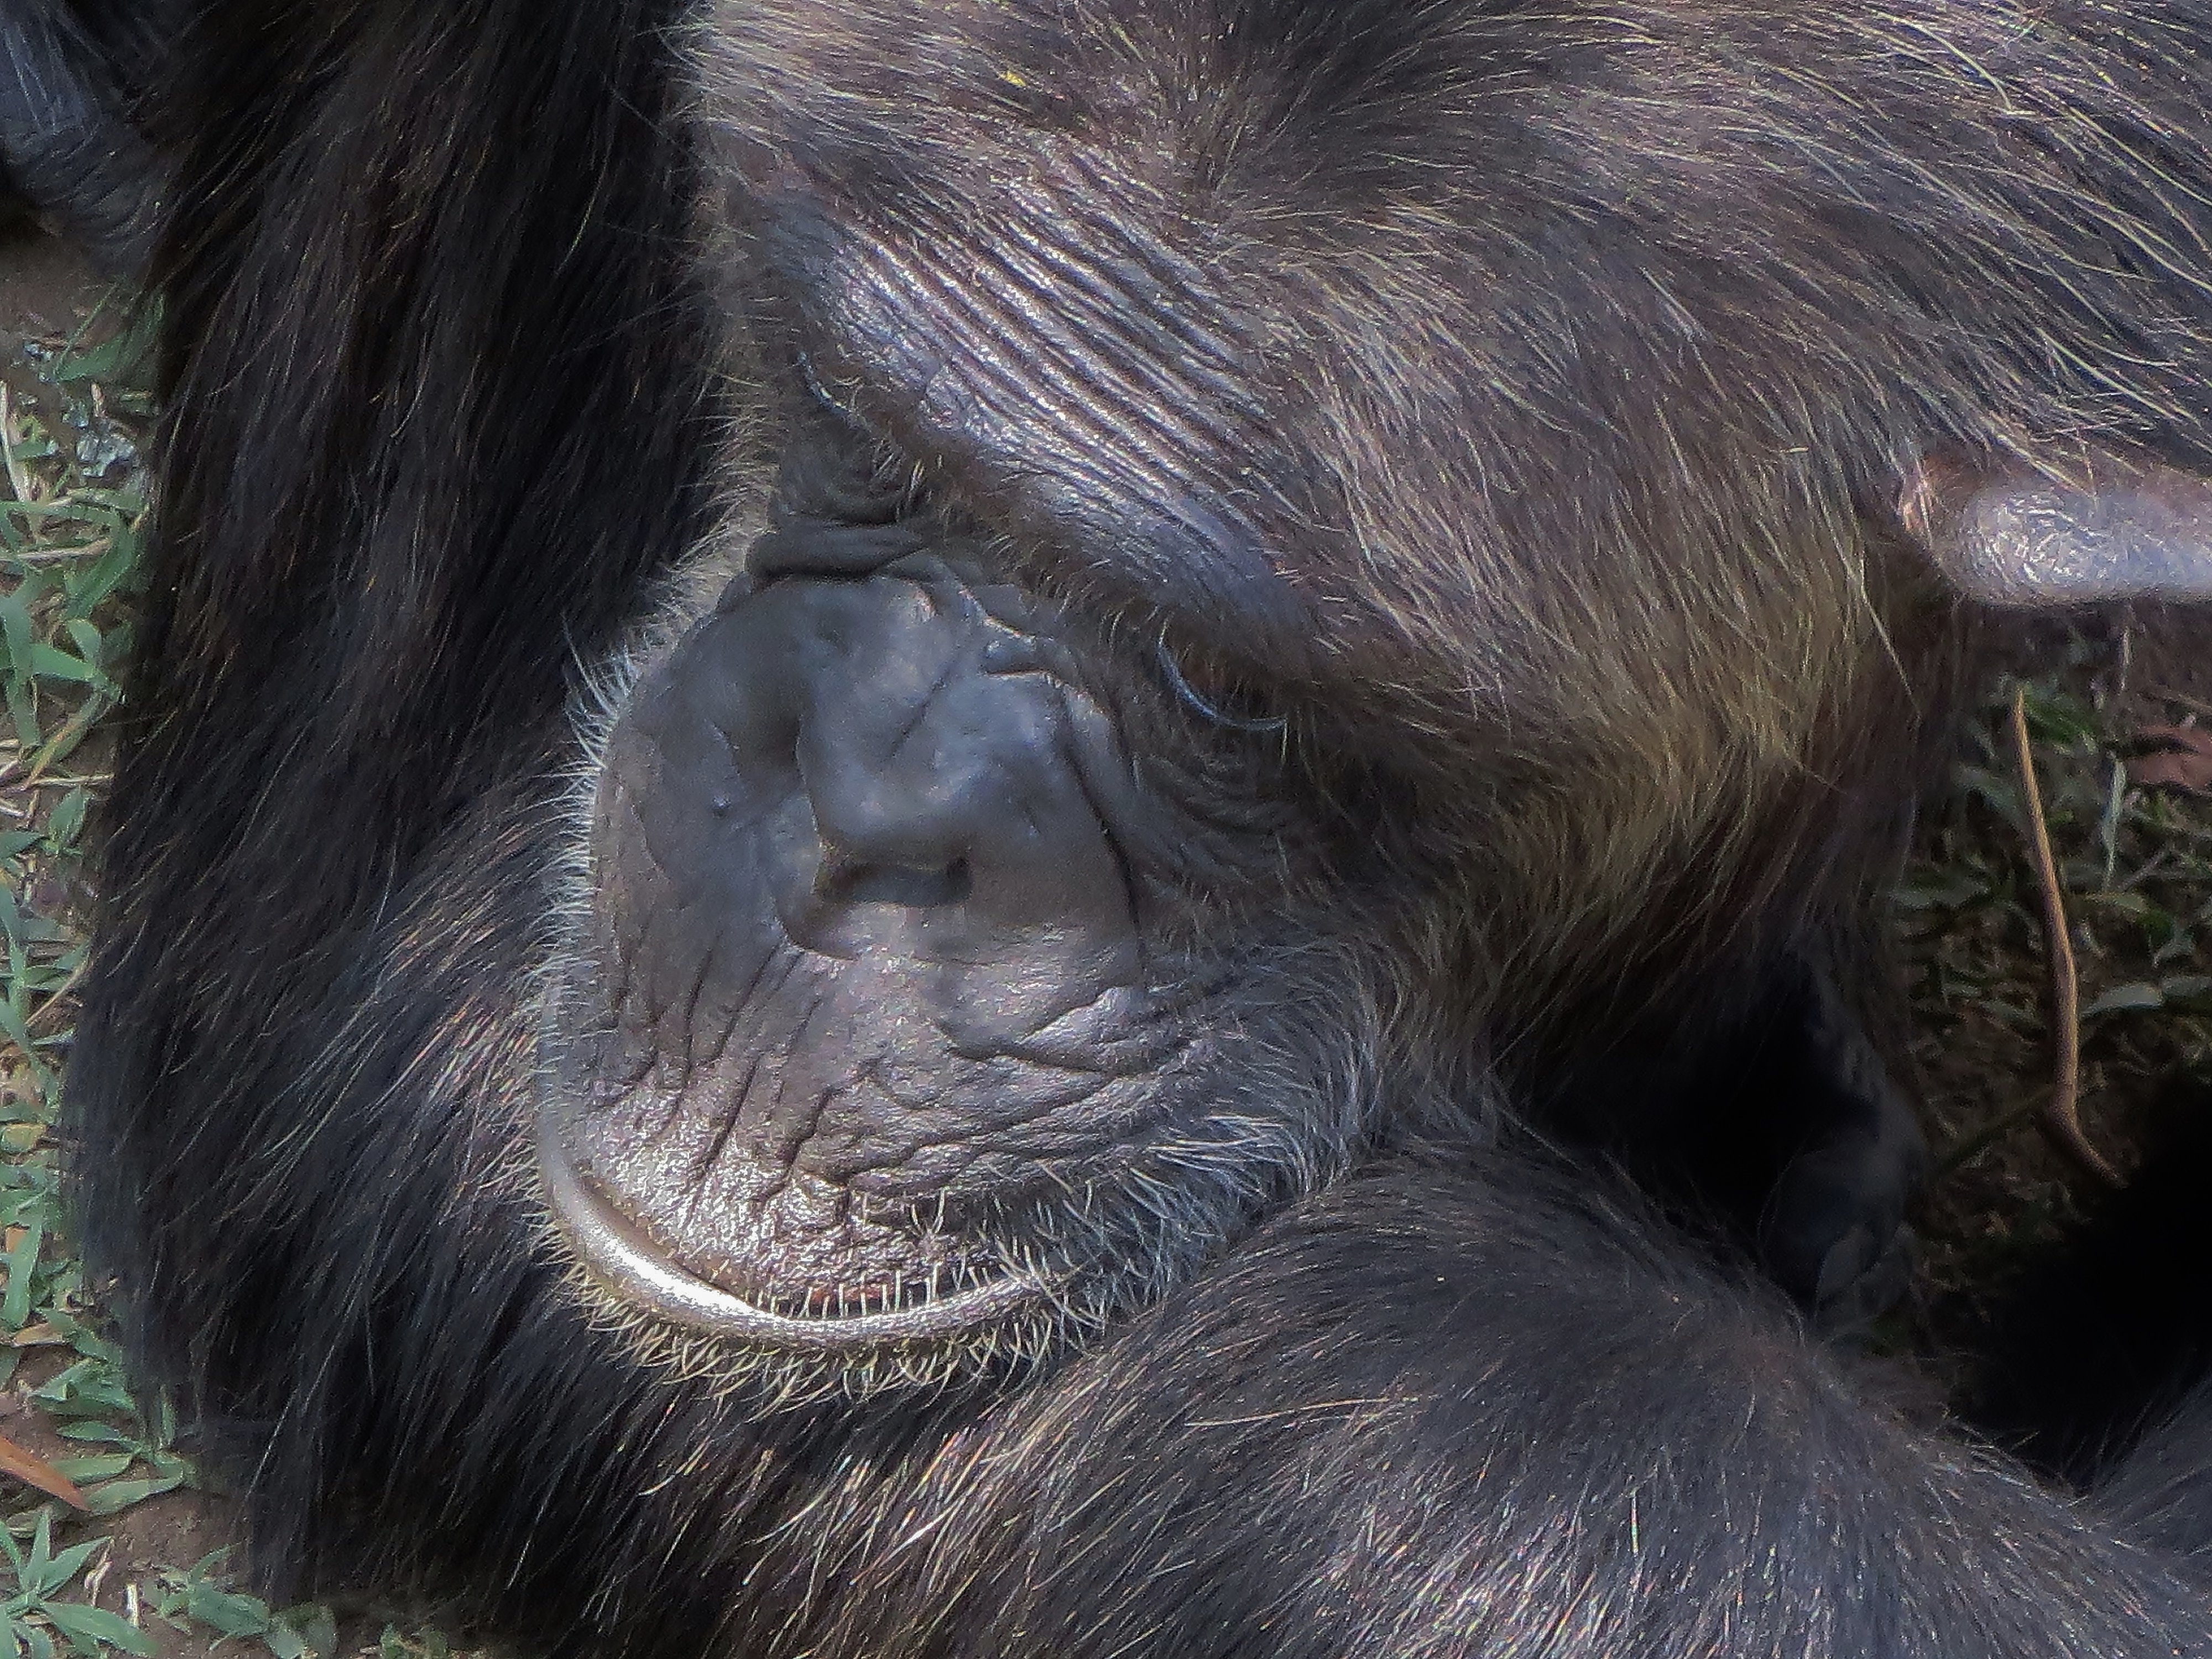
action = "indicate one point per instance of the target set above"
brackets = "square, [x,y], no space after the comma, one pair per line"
[851,881]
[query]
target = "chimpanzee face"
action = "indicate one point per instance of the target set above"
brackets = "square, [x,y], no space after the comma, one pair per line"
[945,970]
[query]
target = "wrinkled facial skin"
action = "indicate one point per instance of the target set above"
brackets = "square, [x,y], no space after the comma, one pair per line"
[894,1029]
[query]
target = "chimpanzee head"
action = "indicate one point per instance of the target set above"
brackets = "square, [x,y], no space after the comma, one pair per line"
[943,971]
[1240,620]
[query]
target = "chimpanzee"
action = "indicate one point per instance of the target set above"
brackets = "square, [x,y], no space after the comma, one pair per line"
[920,790]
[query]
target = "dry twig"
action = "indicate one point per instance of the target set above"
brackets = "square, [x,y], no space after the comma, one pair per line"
[2061,1115]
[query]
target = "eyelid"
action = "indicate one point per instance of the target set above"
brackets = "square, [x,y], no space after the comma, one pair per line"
[1189,694]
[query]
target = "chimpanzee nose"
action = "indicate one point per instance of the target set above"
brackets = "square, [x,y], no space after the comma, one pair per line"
[888,767]
[943,773]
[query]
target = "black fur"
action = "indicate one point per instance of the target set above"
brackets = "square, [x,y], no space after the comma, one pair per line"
[2105,1334]
[69,84]
[444,391]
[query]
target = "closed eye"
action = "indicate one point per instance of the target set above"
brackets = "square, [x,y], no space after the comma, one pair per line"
[1210,707]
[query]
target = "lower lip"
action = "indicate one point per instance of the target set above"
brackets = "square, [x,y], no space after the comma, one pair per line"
[610,1247]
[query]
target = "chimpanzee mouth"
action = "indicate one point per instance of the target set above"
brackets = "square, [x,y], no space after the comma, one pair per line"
[928,1302]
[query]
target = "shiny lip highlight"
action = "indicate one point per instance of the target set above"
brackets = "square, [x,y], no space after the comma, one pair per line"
[614,1250]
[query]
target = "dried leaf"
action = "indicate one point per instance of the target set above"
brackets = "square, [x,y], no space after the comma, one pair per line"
[34,1471]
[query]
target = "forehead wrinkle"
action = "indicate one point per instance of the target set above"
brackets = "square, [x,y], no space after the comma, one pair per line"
[1087,374]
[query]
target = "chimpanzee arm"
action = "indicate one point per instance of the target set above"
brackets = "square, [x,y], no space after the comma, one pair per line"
[2161,1492]
[1452,1414]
